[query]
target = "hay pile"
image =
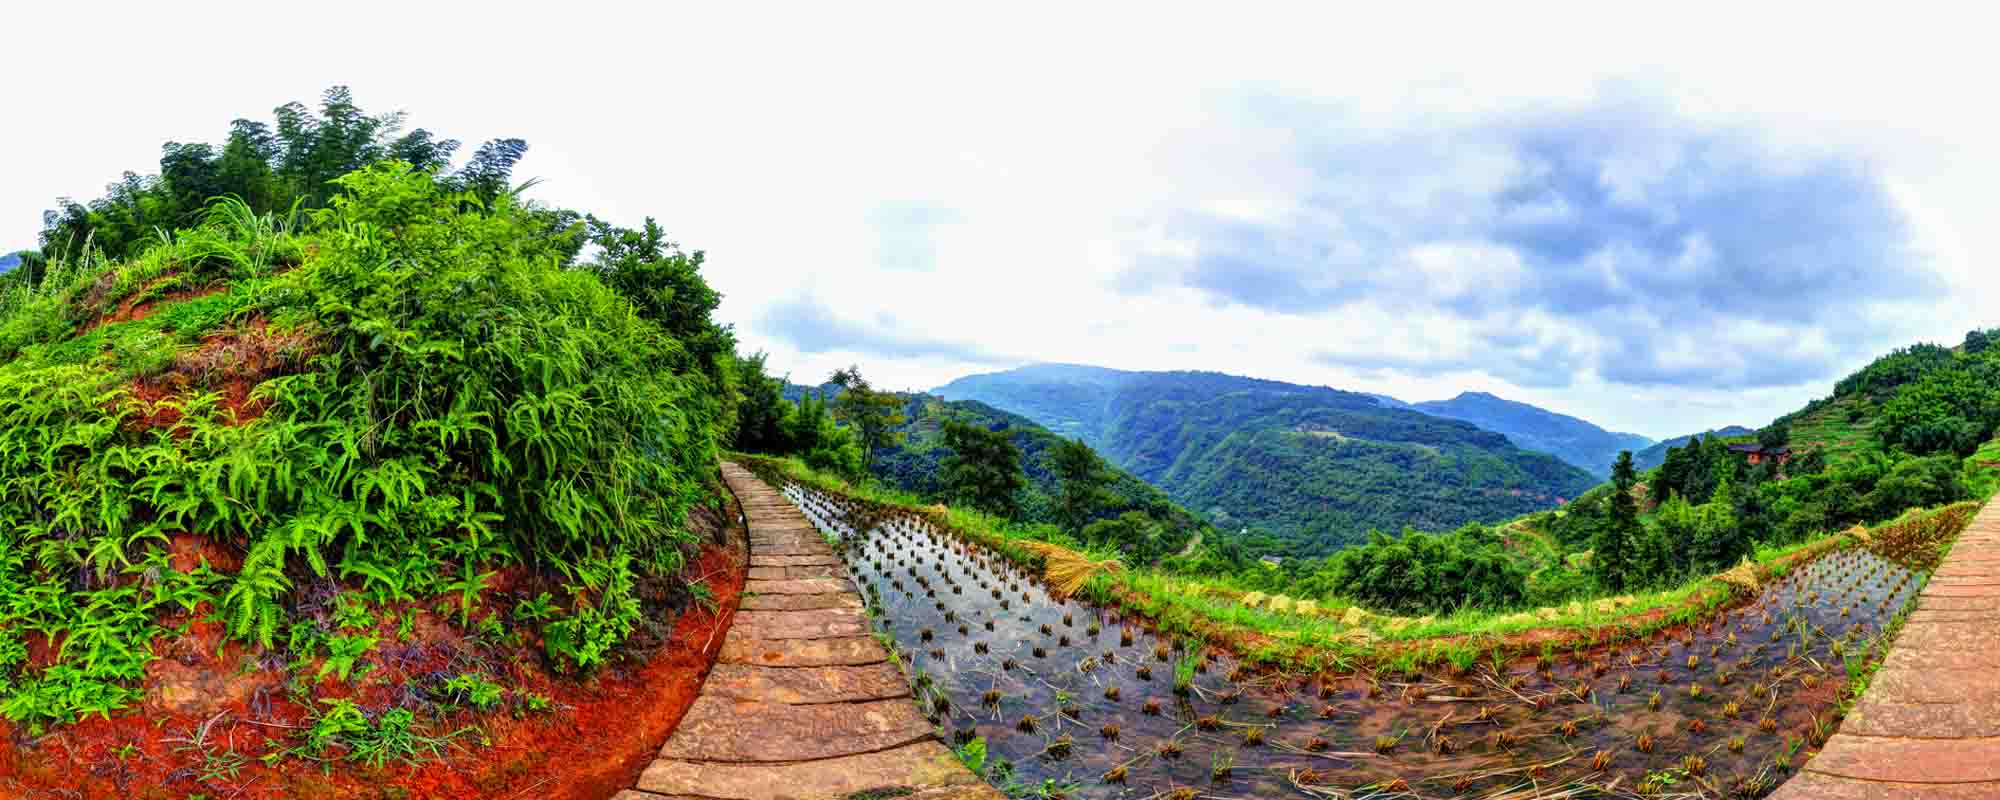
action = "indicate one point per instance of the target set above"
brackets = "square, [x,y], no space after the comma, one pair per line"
[1068,570]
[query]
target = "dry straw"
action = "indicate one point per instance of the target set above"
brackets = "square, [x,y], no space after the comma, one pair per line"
[1067,570]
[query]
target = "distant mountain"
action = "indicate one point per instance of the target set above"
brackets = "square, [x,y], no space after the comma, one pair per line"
[794,392]
[1314,466]
[8,262]
[1655,455]
[1580,443]
[1388,401]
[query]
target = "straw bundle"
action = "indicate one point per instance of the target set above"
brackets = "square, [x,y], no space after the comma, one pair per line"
[1067,570]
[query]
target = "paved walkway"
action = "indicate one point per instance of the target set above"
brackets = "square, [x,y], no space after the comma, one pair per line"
[803,703]
[1929,726]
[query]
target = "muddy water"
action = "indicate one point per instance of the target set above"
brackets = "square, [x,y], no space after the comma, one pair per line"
[1074,700]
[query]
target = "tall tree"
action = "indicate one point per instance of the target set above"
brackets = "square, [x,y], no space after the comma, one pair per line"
[664,283]
[984,468]
[1671,478]
[763,419]
[292,161]
[873,415]
[1617,536]
[1084,477]
[1777,435]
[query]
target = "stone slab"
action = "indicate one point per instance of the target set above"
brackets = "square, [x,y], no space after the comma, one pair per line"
[824,623]
[1929,661]
[925,764]
[730,729]
[806,685]
[1870,758]
[796,573]
[762,560]
[798,586]
[1974,637]
[1815,786]
[1898,684]
[1884,718]
[802,652]
[809,549]
[798,602]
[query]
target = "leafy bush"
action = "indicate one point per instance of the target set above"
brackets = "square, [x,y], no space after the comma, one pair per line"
[437,395]
[1423,572]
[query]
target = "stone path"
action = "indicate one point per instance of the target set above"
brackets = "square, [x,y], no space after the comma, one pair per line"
[803,703]
[1929,726]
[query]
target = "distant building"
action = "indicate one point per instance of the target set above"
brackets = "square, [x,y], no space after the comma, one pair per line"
[1272,561]
[1758,454]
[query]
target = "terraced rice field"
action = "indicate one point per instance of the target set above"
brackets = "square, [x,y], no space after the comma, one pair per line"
[1072,700]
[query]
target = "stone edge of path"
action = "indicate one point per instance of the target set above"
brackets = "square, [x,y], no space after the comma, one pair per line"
[1929,724]
[802,703]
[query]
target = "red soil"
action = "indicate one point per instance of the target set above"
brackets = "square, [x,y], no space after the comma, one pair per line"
[603,730]
[231,363]
[131,310]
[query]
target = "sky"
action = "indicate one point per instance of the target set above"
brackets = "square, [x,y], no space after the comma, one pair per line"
[1661,224]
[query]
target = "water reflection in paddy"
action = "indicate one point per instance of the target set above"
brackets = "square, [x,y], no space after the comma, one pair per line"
[1075,700]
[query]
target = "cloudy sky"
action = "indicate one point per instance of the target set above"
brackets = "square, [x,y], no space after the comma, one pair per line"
[1661,223]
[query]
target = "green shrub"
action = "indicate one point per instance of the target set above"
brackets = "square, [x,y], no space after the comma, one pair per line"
[453,400]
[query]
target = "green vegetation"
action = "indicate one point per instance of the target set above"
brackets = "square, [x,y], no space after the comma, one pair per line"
[1311,468]
[289,164]
[1328,633]
[872,415]
[1647,549]
[1656,453]
[768,422]
[1130,518]
[1920,400]
[983,470]
[1419,572]
[1084,478]
[399,384]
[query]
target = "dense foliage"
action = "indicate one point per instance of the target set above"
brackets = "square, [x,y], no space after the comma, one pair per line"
[1423,572]
[770,423]
[406,392]
[874,416]
[983,469]
[289,163]
[1921,400]
[1064,488]
[1652,456]
[1314,468]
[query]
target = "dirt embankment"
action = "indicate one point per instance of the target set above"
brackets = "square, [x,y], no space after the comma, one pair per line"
[214,712]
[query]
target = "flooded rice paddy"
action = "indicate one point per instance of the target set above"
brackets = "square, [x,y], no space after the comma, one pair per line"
[1073,700]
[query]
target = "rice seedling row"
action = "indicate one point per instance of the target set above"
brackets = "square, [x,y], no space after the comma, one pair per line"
[1067,699]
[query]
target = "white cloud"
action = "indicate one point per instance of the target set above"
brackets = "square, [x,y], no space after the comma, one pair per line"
[1061,141]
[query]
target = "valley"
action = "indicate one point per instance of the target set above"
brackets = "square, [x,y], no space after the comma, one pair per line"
[1256,456]
[341,459]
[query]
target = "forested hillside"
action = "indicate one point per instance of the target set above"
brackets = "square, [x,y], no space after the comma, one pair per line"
[1314,467]
[1651,456]
[1580,443]
[917,463]
[1924,399]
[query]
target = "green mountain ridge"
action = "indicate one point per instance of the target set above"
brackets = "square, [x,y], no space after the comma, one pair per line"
[1574,440]
[1316,467]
